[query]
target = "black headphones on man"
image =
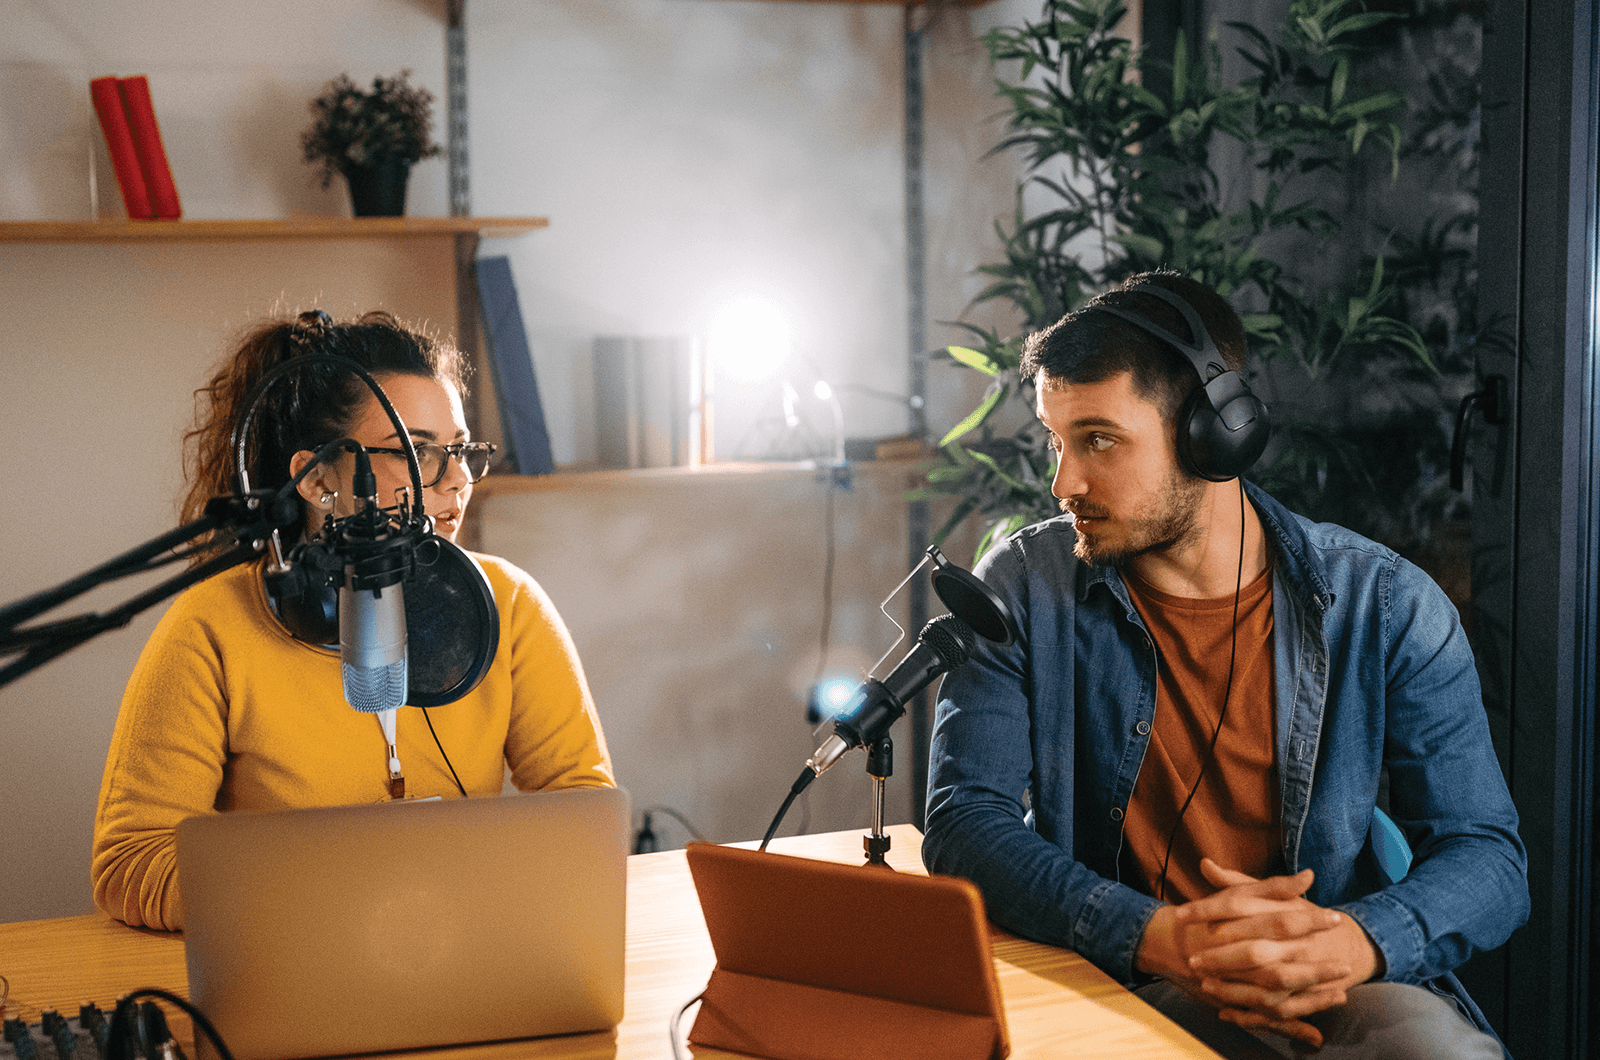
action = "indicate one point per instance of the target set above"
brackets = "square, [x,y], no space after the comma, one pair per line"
[1222,426]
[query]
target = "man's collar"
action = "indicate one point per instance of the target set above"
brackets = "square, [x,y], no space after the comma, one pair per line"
[1091,574]
[1298,563]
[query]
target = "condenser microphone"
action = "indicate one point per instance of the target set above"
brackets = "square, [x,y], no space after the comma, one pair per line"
[378,554]
[451,624]
[372,647]
[427,644]
[944,644]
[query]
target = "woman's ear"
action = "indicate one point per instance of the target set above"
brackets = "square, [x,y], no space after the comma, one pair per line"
[319,487]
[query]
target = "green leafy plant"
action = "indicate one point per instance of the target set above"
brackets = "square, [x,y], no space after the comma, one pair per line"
[1360,328]
[356,127]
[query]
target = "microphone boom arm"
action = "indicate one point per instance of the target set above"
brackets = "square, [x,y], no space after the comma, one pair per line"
[255,517]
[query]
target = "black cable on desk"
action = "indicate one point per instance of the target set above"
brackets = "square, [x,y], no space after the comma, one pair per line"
[125,1030]
[673,1034]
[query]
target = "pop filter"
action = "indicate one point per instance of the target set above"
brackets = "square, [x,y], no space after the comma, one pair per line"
[452,628]
[452,625]
[972,601]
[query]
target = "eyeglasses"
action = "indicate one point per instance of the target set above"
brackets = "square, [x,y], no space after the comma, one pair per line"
[434,459]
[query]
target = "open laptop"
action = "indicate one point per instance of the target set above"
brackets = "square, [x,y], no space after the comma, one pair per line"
[361,929]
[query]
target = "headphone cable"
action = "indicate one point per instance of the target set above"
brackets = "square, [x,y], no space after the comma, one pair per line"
[429,719]
[1227,692]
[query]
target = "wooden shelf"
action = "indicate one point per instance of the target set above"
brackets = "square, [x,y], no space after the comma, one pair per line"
[307,227]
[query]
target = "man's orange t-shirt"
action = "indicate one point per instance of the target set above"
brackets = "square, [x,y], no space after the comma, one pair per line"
[1235,816]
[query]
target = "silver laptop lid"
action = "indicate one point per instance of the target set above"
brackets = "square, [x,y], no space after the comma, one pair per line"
[404,925]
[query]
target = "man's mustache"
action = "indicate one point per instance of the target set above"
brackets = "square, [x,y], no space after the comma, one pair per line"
[1086,511]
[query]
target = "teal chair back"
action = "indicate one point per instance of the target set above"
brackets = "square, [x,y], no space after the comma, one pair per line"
[1390,846]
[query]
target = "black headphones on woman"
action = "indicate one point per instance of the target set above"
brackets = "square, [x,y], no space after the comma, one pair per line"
[1222,426]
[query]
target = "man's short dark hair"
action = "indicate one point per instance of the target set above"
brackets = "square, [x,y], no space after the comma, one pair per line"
[1087,347]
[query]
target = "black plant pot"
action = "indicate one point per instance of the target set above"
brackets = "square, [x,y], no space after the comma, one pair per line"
[378,190]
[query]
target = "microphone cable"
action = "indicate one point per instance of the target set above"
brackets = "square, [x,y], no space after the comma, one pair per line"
[674,1035]
[646,841]
[825,638]
[442,753]
[1227,692]
[827,583]
[138,1032]
[801,783]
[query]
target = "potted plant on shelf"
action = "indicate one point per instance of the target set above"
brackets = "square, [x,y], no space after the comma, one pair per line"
[373,138]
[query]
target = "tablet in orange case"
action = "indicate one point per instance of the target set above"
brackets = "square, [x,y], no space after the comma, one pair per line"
[822,961]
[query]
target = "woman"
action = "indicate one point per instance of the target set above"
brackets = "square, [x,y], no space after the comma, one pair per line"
[227,711]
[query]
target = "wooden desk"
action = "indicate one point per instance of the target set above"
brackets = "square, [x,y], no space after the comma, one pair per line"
[1057,1003]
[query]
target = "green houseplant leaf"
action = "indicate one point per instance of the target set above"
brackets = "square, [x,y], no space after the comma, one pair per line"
[1124,175]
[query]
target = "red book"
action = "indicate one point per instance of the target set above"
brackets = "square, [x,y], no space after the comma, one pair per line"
[108,105]
[147,142]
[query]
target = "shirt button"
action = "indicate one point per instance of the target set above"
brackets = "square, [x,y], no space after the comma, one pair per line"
[1143,728]
[1116,813]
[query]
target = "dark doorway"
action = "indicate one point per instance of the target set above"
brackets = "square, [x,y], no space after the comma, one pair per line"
[1534,486]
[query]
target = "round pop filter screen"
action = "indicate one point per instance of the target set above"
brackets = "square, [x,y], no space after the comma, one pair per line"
[972,601]
[452,627]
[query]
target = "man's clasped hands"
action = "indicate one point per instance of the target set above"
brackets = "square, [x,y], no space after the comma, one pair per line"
[1259,951]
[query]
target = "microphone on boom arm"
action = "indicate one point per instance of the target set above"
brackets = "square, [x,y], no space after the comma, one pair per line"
[379,554]
[414,615]
[349,583]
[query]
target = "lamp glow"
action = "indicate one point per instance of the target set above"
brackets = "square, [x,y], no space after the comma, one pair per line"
[749,339]
[833,693]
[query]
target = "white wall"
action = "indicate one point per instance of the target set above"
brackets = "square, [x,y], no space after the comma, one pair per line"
[231,83]
[691,153]
[683,149]
[102,348]
[696,602]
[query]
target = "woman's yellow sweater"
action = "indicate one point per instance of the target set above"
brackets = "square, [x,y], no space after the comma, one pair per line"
[226,711]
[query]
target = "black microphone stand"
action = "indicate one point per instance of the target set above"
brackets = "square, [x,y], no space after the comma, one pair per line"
[880,767]
[975,611]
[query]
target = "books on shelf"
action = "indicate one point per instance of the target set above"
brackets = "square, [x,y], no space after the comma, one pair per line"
[107,96]
[128,119]
[147,141]
[511,365]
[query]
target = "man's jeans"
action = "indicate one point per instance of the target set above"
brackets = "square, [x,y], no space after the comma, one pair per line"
[1381,1021]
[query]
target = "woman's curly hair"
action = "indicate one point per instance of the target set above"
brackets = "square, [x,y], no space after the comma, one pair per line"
[306,408]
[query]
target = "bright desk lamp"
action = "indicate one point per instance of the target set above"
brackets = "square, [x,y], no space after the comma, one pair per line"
[750,341]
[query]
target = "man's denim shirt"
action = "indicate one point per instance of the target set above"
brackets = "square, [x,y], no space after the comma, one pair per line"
[1036,748]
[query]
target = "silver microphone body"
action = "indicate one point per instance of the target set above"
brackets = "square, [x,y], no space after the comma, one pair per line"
[372,647]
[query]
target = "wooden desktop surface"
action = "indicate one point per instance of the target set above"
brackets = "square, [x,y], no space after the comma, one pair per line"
[1057,1004]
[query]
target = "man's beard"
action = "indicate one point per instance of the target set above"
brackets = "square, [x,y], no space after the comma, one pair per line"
[1170,524]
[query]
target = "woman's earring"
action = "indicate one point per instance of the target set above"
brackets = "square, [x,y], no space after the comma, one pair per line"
[327,499]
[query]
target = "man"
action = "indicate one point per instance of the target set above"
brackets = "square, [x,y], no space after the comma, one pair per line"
[1174,769]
